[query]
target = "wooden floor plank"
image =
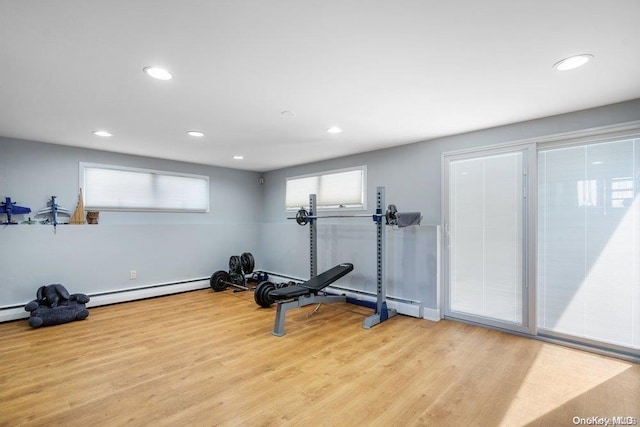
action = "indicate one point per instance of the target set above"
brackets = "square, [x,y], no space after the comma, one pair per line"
[205,358]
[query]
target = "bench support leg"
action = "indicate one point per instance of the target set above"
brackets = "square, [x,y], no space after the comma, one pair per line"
[284,306]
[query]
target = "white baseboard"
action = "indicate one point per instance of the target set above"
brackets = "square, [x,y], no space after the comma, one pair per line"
[142,293]
[114,297]
[431,314]
[8,314]
[406,308]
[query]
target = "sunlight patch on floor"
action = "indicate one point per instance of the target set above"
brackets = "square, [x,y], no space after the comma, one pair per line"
[555,380]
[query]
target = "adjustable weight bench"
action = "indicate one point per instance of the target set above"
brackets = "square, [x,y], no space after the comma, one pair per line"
[300,295]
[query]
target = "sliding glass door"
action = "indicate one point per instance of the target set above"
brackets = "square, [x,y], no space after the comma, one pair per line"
[589,243]
[486,256]
[545,240]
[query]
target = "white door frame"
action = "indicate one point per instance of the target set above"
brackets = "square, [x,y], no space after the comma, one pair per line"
[529,234]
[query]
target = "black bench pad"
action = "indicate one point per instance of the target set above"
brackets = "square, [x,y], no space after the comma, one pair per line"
[288,292]
[312,285]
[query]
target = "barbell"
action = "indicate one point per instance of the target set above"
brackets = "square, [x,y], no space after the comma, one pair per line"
[303,217]
[221,280]
[238,267]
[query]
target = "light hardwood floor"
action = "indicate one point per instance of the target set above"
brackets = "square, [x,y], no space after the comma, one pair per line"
[204,358]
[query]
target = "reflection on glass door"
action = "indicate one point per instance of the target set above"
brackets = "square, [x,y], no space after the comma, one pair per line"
[486,241]
[589,243]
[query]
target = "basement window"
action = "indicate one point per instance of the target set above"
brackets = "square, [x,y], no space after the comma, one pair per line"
[337,189]
[118,188]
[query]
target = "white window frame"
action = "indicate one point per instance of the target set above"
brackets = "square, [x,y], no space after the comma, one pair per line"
[358,207]
[83,166]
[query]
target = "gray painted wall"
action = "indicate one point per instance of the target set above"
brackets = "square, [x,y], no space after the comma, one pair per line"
[411,175]
[245,216]
[161,247]
[31,172]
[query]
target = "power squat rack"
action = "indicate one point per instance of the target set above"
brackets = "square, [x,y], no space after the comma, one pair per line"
[308,293]
[295,295]
[382,311]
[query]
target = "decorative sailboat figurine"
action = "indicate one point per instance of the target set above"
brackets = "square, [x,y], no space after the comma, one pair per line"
[78,214]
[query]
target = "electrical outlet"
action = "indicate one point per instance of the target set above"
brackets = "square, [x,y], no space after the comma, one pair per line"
[133,275]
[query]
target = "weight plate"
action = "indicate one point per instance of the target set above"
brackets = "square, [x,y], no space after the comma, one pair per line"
[257,294]
[219,280]
[265,293]
[248,263]
[235,266]
[261,294]
[302,217]
[391,216]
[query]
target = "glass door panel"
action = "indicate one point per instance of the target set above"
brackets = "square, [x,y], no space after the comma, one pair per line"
[486,254]
[589,243]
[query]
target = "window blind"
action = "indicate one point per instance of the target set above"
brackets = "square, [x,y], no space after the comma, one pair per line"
[115,188]
[589,242]
[486,242]
[334,189]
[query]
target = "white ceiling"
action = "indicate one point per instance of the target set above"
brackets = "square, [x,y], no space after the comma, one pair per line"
[387,72]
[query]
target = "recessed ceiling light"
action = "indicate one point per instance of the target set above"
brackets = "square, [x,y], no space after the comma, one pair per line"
[158,73]
[196,133]
[334,129]
[572,62]
[288,113]
[596,163]
[238,157]
[101,133]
